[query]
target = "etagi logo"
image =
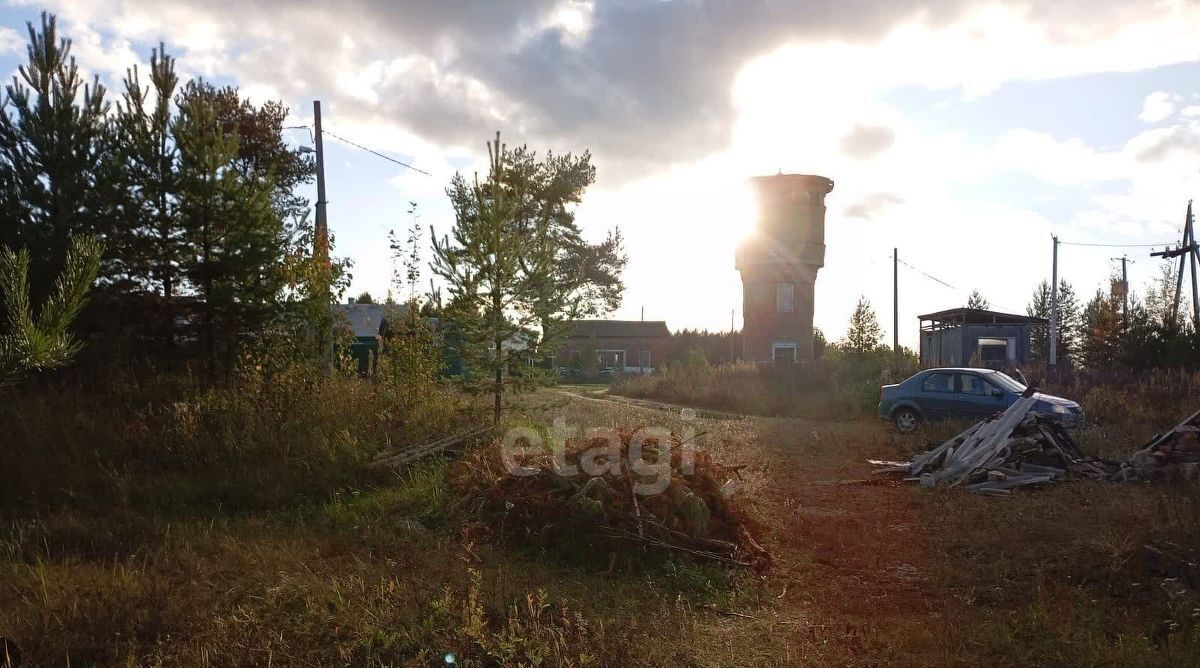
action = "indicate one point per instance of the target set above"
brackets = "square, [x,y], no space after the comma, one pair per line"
[645,454]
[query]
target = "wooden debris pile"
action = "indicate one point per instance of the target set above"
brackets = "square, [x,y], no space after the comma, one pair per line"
[551,500]
[1174,454]
[1011,449]
[393,457]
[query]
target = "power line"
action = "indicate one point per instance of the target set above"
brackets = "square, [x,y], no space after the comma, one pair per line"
[1081,243]
[929,276]
[372,151]
[945,284]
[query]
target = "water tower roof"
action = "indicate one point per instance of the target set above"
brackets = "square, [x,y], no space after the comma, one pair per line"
[807,182]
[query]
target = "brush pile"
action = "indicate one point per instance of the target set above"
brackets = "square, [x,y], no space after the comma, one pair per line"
[592,496]
[1173,455]
[1011,449]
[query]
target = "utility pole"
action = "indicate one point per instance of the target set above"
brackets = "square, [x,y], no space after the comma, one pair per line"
[1125,290]
[896,300]
[321,236]
[1191,229]
[1054,307]
[1187,253]
[322,230]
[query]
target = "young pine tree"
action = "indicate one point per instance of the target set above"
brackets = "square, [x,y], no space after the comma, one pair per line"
[43,341]
[976,300]
[50,141]
[865,334]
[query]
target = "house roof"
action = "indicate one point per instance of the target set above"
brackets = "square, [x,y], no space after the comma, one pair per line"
[600,329]
[364,320]
[974,316]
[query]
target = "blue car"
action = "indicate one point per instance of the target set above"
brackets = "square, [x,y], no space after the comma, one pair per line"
[936,394]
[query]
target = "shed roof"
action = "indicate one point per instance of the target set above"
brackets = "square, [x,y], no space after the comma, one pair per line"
[620,328]
[974,316]
[366,319]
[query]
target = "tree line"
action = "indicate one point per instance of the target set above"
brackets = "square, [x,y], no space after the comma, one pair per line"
[1107,331]
[189,188]
[1115,329]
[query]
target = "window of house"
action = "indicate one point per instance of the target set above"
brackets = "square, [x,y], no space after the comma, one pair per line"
[938,382]
[785,297]
[610,359]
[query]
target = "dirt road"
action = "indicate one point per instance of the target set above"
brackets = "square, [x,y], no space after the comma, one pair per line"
[853,582]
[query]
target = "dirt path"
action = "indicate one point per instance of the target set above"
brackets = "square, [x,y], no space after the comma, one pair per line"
[852,551]
[855,580]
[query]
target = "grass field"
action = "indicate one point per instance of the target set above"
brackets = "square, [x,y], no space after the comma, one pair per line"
[391,571]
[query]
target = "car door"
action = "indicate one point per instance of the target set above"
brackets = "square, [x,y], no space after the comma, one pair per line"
[977,397]
[937,394]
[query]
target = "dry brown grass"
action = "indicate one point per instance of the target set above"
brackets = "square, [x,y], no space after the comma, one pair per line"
[837,386]
[390,572]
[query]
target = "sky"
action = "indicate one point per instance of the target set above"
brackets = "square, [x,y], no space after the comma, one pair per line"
[963,134]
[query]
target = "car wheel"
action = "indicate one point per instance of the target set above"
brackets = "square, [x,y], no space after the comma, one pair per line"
[906,420]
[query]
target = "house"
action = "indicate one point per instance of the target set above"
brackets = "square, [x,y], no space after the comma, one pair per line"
[975,337]
[368,324]
[605,346]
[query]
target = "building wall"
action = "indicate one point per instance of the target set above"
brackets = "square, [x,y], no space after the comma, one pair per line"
[786,248]
[957,346]
[579,349]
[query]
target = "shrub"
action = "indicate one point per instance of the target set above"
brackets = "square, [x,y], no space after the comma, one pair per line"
[279,432]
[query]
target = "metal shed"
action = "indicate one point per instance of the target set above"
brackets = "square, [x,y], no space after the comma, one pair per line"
[975,337]
[368,323]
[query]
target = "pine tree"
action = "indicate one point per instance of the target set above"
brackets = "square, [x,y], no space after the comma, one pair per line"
[515,261]
[1141,347]
[50,145]
[1160,302]
[864,334]
[1068,322]
[1100,342]
[43,341]
[977,301]
[1039,307]
[151,236]
[232,235]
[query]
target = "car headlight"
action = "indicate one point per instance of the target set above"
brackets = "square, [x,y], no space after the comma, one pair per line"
[1060,409]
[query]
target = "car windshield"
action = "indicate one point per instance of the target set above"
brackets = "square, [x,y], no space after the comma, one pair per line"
[1003,380]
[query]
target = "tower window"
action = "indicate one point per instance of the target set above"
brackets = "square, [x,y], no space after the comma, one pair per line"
[785,297]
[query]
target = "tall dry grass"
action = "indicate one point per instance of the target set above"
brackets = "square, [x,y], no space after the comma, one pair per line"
[147,447]
[840,386]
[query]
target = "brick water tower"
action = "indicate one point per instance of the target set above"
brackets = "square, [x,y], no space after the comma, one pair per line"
[779,264]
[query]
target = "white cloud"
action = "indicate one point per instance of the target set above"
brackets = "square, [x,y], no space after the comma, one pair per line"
[1158,106]
[681,102]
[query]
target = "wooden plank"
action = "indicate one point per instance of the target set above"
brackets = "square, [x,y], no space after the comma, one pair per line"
[416,452]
